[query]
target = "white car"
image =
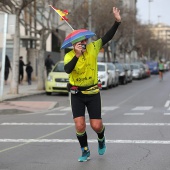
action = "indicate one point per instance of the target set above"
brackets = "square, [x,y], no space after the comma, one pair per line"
[104,75]
[115,74]
[137,71]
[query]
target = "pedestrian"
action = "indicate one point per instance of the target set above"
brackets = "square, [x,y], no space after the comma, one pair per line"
[161,69]
[21,69]
[29,71]
[81,65]
[7,68]
[48,64]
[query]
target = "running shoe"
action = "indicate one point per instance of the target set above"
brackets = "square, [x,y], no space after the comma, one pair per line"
[85,155]
[101,146]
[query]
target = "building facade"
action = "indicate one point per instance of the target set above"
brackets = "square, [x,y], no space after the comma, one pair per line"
[162,32]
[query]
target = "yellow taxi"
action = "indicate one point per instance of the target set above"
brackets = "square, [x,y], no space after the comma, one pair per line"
[57,80]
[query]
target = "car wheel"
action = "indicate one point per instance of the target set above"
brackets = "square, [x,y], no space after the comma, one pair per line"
[48,93]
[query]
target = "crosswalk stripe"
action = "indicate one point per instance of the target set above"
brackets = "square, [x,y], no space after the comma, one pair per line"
[101,114]
[167,103]
[166,114]
[109,108]
[66,109]
[133,114]
[143,108]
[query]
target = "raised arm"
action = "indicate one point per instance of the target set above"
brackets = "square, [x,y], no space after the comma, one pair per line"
[109,35]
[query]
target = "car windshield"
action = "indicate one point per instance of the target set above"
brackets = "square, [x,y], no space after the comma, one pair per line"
[59,68]
[101,67]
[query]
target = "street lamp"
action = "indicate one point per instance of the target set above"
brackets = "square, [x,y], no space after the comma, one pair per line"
[149,11]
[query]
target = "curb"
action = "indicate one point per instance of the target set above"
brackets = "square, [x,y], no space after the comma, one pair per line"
[9,98]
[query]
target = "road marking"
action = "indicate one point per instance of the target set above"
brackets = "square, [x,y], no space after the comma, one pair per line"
[72,124]
[109,108]
[143,108]
[59,108]
[167,103]
[133,114]
[88,114]
[56,114]
[103,108]
[166,114]
[66,109]
[90,141]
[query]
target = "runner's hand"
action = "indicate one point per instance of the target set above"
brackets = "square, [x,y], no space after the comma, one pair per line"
[116,13]
[78,49]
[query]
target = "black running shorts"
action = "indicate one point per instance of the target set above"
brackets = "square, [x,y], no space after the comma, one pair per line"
[80,101]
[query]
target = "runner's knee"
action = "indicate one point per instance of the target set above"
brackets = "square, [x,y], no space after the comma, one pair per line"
[97,126]
[80,127]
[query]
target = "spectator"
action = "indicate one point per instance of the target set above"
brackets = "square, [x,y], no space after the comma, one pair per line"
[21,69]
[7,67]
[29,70]
[48,64]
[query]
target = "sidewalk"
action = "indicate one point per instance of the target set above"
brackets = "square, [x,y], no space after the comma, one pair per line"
[9,104]
[24,90]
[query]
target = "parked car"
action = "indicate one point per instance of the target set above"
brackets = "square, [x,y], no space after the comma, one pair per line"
[153,66]
[57,80]
[129,72]
[147,70]
[122,73]
[137,71]
[104,75]
[115,74]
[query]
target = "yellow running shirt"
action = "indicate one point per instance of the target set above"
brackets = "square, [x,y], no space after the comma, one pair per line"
[85,72]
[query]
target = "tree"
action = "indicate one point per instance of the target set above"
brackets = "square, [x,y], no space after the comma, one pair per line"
[15,7]
[46,25]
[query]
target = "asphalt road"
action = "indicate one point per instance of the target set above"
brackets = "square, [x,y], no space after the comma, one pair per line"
[137,120]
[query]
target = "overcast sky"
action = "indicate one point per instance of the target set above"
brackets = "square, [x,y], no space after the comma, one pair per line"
[157,8]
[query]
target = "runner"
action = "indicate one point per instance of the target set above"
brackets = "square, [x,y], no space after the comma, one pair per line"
[81,65]
[161,69]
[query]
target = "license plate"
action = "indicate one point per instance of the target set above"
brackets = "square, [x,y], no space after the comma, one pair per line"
[61,84]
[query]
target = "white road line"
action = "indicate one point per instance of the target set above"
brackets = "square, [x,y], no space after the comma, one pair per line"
[167,103]
[109,108]
[103,108]
[72,124]
[167,114]
[88,114]
[90,141]
[59,108]
[56,114]
[143,108]
[133,114]
[66,109]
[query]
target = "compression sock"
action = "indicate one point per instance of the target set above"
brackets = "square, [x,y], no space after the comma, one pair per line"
[101,133]
[82,138]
